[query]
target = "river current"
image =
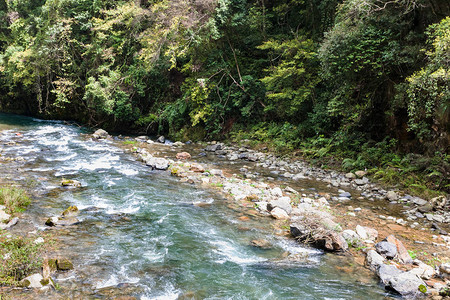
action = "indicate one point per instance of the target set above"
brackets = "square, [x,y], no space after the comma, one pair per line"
[140,234]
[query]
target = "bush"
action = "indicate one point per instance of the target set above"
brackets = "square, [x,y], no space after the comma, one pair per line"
[19,257]
[15,199]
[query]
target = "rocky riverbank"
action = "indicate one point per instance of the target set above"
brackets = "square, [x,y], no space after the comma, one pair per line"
[388,244]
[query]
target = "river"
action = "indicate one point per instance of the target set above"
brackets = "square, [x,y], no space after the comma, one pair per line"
[141,236]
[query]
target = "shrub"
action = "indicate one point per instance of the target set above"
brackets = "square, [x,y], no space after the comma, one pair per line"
[19,257]
[15,199]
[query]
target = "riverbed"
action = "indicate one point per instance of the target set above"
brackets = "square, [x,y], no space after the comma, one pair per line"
[140,234]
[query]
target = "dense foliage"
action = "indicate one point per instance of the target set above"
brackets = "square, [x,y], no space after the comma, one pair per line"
[337,75]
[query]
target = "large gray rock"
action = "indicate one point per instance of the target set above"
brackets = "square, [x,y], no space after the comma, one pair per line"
[423,271]
[10,224]
[283,203]
[279,214]
[351,237]
[100,134]
[374,260]
[387,272]
[4,216]
[406,284]
[439,202]
[362,181]
[33,281]
[214,148]
[391,196]
[386,249]
[161,139]
[157,163]
[362,232]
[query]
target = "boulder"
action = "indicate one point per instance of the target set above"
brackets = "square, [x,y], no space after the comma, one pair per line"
[407,284]
[214,147]
[391,196]
[426,208]
[277,192]
[100,134]
[261,243]
[351,237]
[4,216]
[350,176]
[32,281]
[374,260]
[387,272]
[402,254]
[423,271]
[299,176]
[361,231]
[283,203]
[372,233]
[439,202]
[70,211]
[198,168]
[52,221]
[62,221]
[183,156]
[362,181]
[279,214]
[49,267]
[445,270]
[10,224]
[142,138]
[216,172]
[161,139]
[63,264]
[386,249]
[157,163]
[70,182]
[360,174]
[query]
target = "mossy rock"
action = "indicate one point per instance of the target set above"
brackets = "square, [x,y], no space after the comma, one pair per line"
[63,264]
[70,182]
[51,221]
[24,283]
[71,210]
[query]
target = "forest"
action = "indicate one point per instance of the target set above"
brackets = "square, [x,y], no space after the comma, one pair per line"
[364,83]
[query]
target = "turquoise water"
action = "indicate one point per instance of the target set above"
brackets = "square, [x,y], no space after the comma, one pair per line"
[140,235]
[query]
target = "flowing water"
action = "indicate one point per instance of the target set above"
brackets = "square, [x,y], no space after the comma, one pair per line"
[141,236]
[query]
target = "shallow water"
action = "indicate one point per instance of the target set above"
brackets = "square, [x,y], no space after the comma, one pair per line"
[140,235]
